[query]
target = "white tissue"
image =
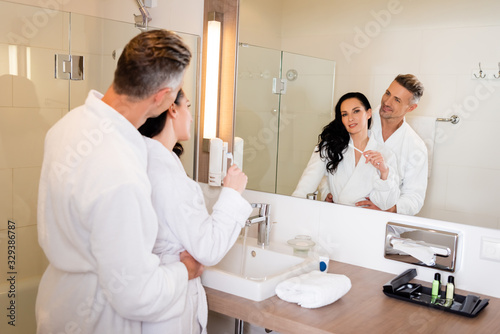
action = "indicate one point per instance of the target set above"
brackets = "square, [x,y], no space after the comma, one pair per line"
[422,253]
[314,289]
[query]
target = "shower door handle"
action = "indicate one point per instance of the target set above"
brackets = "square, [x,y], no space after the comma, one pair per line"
[69,67]
[279,86]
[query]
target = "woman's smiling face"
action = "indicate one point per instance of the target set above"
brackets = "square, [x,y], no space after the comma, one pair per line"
[354,115]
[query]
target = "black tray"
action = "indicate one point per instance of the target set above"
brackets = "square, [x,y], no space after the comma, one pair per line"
[401,288]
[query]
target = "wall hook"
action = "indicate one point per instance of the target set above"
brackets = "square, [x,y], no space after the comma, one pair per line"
[481,74]
[497,76]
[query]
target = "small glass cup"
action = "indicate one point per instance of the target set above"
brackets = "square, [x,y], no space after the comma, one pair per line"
[301,245]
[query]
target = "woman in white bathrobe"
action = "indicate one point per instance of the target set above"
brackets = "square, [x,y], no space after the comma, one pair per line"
[184,223]
[355,164]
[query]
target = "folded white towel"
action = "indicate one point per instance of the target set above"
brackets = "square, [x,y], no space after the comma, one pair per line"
[314,289]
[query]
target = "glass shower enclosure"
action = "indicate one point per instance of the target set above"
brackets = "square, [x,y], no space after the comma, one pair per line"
[283,100]
[32,99]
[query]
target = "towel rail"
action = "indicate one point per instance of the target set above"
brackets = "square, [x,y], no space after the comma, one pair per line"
[453,119]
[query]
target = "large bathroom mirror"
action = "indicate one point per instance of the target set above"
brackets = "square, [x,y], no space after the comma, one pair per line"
[451,46]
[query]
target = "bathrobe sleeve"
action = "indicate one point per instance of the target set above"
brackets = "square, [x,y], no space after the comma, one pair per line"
[180,205]
[311,177]
[412,159]
[414,171]
[323,188]
[126,270]
[386,193]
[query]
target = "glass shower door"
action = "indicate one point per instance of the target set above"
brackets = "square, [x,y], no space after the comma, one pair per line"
[257,114]
[283,100]
[31,101]
[101,41]
[306,107]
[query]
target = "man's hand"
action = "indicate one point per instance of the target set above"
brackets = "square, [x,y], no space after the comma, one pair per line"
[367,204]
[329,198]
[393,209]
[194,268]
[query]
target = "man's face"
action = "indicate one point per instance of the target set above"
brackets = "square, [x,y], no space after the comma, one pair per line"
[396,102]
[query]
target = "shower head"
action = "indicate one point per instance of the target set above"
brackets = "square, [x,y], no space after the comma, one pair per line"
[141,21]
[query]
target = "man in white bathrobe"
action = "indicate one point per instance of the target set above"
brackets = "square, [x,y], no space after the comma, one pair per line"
[389,127]
[96,223]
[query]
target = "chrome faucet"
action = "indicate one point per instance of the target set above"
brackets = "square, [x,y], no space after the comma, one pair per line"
[313,196]
[264,221]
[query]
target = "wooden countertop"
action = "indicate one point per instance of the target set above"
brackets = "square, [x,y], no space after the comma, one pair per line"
[364,309]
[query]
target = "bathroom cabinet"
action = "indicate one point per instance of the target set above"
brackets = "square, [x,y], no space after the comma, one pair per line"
[364,309]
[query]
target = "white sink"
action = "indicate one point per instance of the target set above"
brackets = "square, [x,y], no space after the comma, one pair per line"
[252,272]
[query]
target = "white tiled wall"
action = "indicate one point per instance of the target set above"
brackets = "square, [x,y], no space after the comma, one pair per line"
[442,43]
[265,19]
[5,195]
[179,15]
[23,131]
[25,195]
[31,101]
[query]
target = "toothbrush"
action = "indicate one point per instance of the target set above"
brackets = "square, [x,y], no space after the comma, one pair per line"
[357,149]
[362,153]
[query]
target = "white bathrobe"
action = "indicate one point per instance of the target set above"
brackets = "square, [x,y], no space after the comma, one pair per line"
[185,224]
[97,227]
[412,157]
[351,183]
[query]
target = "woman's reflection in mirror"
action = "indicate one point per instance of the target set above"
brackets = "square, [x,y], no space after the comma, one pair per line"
[355,164]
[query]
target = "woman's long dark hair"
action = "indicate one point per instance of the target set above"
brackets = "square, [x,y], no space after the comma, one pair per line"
[334,138]
[153,126]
